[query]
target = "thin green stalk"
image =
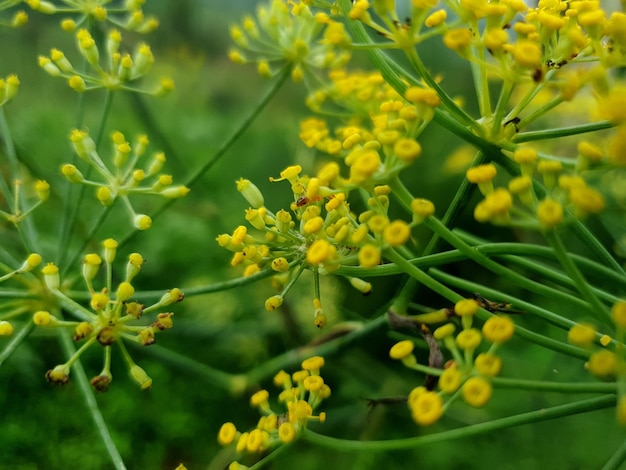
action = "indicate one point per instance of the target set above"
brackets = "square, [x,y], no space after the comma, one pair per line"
[549,134]
[9,148]
[208,164]
[490,293]
[27,232]
[332,346]
[495,267]
[16,341]
[269,457]
[593,244]
[540,112]
[558,387]
[71,213]
[543,414]
[526,249]
[595,307]
[88,238]
[503,101]
[92,404]
[447,101]
[420,276]
[555,276]
[617,459]
[234,384]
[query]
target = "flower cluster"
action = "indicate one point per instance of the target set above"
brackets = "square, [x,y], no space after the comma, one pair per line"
[520,205]
[302,392]
[110,319]
[318,232]
[468,373]
[289,33]
[379,140]
[119,72]
[127,15]
[123,178]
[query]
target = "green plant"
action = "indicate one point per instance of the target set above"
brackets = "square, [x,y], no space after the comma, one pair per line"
[522,257]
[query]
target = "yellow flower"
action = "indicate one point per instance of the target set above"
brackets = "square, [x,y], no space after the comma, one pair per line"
[602,364]
[401,349]
[286,432]
[426,408]
[469,339]
[618,314]
[476,391]
[397,233]
[369,256]
[458,39]
[450,380]
[466,307]
[488,364]
[550,213]
[319,252]
[227,434]
[582,334]
[498,329]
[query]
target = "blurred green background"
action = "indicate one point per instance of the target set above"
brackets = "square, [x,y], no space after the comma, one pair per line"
[46,427]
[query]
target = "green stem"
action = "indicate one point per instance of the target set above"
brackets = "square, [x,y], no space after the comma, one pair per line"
[295,356]
[536,338]
[559,387]
[495,267]
[496,295]
[88,238]
[92,404]
[16,341]
[559,411]
[234,384]
[71,213]
[9,149]
[525,249]
[595,307]
[617,459]
[420,276]
[549,134]
[206,166]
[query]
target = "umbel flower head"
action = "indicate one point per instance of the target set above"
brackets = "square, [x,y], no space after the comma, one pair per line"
[119,71]
[316,232]
[127,14]
[289,33]
[110,319]
[302,392]
[469,371]
[122,177]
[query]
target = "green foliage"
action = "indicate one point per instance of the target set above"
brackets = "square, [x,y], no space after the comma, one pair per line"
[433,203]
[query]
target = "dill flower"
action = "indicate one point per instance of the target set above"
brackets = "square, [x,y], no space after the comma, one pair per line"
[295,36]
[122,178]
[299,398]
[110,319]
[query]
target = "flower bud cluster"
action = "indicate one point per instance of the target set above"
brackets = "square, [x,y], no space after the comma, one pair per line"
[519,204]
[317,232]
[128,15]
[290,34]
[302,392]
[117,70]
[111,316]
[468,371]
[123,176]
